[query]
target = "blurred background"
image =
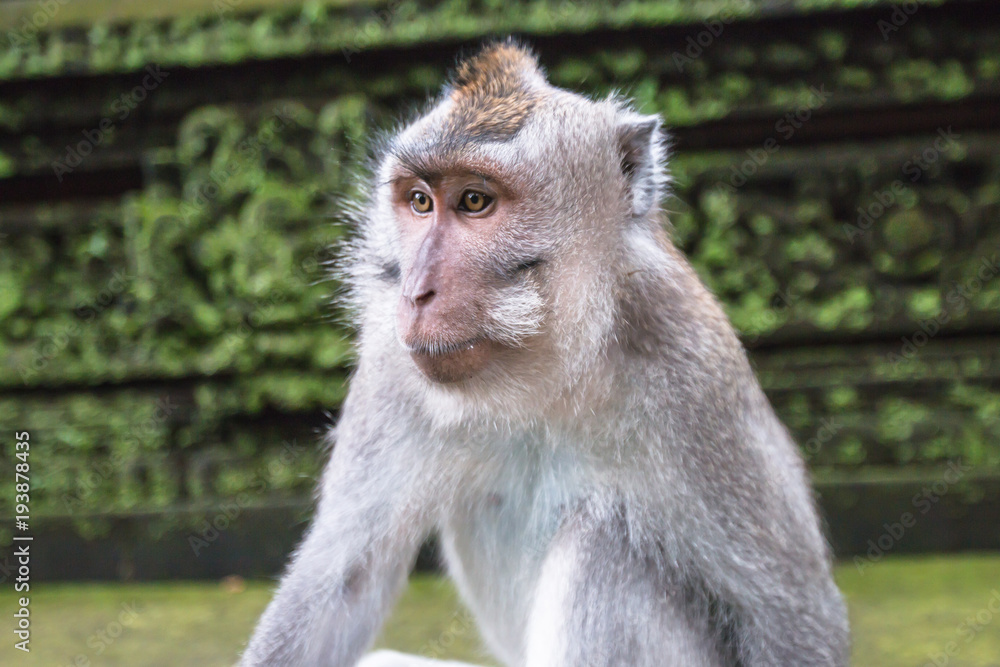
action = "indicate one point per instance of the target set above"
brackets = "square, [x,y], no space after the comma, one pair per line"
[169,179]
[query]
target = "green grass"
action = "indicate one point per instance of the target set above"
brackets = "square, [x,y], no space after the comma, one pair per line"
[904,613]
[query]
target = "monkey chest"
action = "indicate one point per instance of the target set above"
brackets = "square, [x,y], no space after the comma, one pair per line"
[495,544]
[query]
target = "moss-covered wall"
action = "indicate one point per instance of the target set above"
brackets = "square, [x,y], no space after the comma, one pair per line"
[166,332]
[224,31]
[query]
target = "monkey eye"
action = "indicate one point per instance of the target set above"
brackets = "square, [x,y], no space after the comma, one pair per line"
[474,201]
[421,202]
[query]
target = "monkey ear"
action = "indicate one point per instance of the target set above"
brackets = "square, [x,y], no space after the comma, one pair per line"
[640,142]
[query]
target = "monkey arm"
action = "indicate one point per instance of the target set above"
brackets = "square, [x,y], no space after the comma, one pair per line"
[355,558]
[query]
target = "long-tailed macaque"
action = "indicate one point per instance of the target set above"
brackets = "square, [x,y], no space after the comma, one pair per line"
[545,383]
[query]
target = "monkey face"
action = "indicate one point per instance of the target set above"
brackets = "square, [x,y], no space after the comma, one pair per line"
[492,246]
[453,228]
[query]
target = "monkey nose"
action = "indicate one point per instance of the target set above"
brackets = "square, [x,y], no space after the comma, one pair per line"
[419,293]
[422,299]
[419,289]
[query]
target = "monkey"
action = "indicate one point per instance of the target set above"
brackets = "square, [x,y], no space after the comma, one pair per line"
[545,383]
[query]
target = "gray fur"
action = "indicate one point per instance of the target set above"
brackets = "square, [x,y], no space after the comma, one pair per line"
[616,490]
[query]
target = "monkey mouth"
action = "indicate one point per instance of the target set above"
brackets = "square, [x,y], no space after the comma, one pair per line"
[437,348]
[447,362]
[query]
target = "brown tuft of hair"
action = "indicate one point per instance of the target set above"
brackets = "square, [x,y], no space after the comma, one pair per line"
[492,92]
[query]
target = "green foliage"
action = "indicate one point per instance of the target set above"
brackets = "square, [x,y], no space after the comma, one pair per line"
[165,348]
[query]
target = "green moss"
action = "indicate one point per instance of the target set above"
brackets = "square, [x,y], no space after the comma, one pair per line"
[988,68]
[7,166]
[850,309]
[842,398]
[855,77]
[898,417]
[913,79]
[786,55]
[205,38]
[832,44]
[212,277]
[926,303]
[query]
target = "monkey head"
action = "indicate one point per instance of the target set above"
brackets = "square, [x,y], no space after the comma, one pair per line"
[497,224]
